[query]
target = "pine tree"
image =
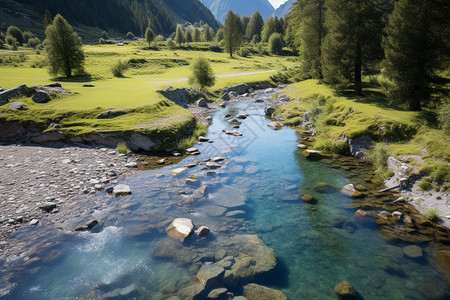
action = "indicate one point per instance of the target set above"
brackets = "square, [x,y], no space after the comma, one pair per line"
[232,35]
[244,23]
[179,36]
[219,35]
[188,36]
[292,36]
[254,26]
[267,30]
[197,35]
[64,48]
[312,33]
[353,40]
[207,37]
[416,46]
[149,36]
[48,19]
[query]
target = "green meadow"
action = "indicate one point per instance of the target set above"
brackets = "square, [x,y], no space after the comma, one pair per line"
[148,71]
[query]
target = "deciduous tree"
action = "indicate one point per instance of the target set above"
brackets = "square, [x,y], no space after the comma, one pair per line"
[232,35]
[202,74]
[149,36]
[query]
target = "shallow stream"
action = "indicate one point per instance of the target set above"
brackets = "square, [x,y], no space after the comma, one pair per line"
[256,191]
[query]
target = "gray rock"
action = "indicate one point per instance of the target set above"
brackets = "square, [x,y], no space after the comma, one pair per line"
[111,113]
[180,229]
[209,118]
[121,190]
[47,206]
[202,103]
[358,146]
[232,132]
[34,222]
[275,125]
[202,230]
[217,158]
[233,94]
[193,291]
[87,226]
[229,197]
[191,150]
[181,96]
[16,92]
[210,275]
[255,291]
[241,116]
[225,97]
[109,189]
[234,121]
[41,97]
[17,105]
[269,111]
[131,165]
[203,139]
[139,141]
[238,89]
[212,165]
[217,293]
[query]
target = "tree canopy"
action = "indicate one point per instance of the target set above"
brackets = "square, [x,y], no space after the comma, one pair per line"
[202,74]
[232,34]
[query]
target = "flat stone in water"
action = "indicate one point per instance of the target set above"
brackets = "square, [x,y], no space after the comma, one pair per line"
[213,210]
[412,251]
[229,197]
[121,190]
[235,213]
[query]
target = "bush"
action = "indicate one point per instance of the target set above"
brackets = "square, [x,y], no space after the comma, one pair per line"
[34,42]
[202,74]
[130,35]
[432,214]
[101,41]
[10,40]
[119,68]
[215,48]
[171,44]
[122,148]
[15,32]
[27,35]
[243,52]
[275,43]
[440,174]
[425,184]
[104,35]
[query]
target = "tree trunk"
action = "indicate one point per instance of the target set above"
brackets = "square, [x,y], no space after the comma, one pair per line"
[358,63]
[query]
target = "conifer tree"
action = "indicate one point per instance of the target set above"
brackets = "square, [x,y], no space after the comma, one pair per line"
[353,40]
[196,35]
[416,46]
[244,23]
[232,35]
[219,35]
[64,48]
[179,36]
[207,37]
[267,30]
[48,19]
[149,36]
[254,26]
[188,36]
[311,34]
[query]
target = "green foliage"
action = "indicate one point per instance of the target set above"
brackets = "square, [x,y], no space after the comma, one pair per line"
[432,214]
[202,74]
[232,32]
[378,156]
[444,116]
[64,48]
[196,36]
[149,36]
[48,19]
[275,43]
[15,32]
[243,52]
[122,148]
[130,36]
[34,42]
[219,35]
[10,40]
[208,33]
[296,121]
[171,44]
[118,68]
[179,36]
[425,184]
[415,48]
[104,35]
[188,36]
[268,29]
[101,41]
[27,35]
[254,27]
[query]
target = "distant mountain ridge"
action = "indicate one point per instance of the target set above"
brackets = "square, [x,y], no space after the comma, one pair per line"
[220,8]
[122,15]
[284,9]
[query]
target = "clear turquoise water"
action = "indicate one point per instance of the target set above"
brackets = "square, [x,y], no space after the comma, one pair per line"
[312,255]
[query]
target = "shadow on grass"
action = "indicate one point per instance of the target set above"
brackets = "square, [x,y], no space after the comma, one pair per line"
[427,117]
[80,78]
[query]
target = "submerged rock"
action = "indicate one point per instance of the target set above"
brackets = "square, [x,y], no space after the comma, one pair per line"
[210,275]
[217,293]
[312,154]
[307,198]
[412,251]
[275,125]
[363,218]
[350,190]
[255,291]
[232,132]
[121,190]
[344,289]
[180,229]
[441,261]
[87,226]
[324,188]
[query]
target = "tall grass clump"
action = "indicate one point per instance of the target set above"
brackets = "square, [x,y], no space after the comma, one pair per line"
[378,156]
[122,148]
[329,145]
[432,214]
[118,68]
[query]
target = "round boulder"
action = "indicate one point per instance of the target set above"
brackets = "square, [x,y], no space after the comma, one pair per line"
[202,103]
[412,251]
[344,289]
[41,97]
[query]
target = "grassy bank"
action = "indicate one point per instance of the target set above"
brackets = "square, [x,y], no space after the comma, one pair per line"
[339,114]
[135,93]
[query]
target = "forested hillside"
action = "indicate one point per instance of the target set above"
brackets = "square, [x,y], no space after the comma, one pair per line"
[126,15]
[220,8]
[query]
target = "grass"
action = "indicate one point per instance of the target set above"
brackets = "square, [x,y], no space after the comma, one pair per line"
[432,214]
[122,148]
[134,91]
[340,113]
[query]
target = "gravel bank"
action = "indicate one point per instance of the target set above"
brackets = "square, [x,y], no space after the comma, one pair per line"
[36,181]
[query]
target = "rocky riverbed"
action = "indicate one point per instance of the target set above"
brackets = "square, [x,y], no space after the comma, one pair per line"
[36,181]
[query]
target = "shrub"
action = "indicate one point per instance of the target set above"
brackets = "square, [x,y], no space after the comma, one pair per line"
[432,214]
[104,35]
[171,44]
[119,68]
[15,32]
[130,35]
[243,52]
[425,184]
[202,74]
[10,40]
[101,41]
[122,148]
[34,42]
[440,174]
[275,43]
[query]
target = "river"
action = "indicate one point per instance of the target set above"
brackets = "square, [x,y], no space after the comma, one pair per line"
[256,192]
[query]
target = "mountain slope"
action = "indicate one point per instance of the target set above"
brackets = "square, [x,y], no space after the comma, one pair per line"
[283,10]
[220,8]
[191,11]
[119,15]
